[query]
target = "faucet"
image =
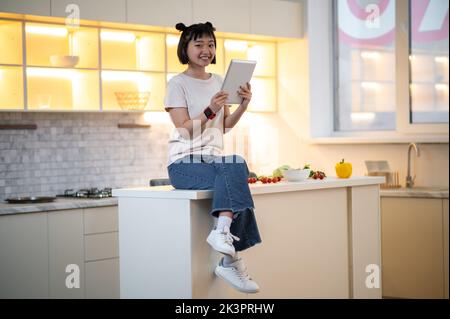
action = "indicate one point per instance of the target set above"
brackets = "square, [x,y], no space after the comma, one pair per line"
[409,179]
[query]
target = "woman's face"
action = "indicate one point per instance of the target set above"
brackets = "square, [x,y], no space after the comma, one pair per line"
[201,52]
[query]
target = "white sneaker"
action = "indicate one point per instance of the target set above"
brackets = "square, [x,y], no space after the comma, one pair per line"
[236,275]
[222,241]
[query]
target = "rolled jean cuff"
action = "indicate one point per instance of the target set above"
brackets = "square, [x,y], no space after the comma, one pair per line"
[215,211]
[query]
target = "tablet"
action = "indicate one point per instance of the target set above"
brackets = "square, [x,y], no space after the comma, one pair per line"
[238,74]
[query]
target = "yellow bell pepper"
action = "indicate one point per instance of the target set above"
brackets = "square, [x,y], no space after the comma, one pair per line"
[343,170]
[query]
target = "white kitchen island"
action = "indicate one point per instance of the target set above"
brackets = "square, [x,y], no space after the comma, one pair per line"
[320,239]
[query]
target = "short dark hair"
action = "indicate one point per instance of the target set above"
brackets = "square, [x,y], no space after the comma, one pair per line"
[193,32]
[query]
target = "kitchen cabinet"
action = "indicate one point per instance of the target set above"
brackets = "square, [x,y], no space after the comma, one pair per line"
[52,85]
[103,10]
[102,279]
[101,239]
[36,7]
[24,256]
[92,68]
[36,248]
[159,13]
[65,240]
[226,16]
[101,246]
[276,18]
[133,61]
[414,247]
[260,17]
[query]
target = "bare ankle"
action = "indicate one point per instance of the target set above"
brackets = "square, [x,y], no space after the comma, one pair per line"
[226,213]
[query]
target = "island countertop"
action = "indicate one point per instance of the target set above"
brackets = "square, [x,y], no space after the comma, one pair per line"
[326,232]
[168,191]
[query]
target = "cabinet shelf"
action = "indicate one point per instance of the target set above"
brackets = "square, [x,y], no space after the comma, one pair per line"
[60,67]
[12,64]
[131,70]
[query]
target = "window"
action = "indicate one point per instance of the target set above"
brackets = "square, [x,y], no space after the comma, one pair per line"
[429,61]
[367,49]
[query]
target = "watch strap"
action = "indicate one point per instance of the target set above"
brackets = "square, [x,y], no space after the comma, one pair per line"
[209,113]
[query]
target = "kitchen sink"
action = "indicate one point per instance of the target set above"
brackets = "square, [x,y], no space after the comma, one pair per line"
[416,191]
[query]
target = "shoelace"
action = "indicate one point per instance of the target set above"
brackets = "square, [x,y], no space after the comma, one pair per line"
[242,274]
[229,237]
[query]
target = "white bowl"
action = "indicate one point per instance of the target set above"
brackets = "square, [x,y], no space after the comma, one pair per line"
[65,61]
[296,175]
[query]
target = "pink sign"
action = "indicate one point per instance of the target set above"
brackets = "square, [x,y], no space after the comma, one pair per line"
[374,24]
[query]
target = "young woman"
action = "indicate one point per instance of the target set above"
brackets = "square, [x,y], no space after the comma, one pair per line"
[201,117]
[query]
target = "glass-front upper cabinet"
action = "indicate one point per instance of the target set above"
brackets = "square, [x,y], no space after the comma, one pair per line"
[62,68]
[62,89]
[11,70]
[53,45]
[131,50]
[133,91]
[133,70]
[264,78]
[50,66]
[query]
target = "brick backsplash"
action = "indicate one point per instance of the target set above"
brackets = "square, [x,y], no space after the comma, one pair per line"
[79,150]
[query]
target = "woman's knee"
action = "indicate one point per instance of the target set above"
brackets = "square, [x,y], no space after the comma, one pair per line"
[182,178]
[238,164]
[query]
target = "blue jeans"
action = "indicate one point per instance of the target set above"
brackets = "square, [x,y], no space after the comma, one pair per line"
[227,177]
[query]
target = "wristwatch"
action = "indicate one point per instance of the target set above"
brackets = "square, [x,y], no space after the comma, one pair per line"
[209,113]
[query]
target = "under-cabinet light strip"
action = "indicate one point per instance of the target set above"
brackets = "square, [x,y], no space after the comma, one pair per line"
[54,31]
[117,36]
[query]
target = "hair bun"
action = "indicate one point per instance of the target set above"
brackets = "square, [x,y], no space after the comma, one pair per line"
[180,26]
[209,24]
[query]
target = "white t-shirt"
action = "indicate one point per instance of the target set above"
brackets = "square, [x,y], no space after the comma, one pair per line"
[195,95]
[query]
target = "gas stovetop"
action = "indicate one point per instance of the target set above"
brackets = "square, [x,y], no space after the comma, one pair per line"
[95,193]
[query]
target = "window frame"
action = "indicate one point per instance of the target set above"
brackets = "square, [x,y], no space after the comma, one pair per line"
[403,75]
[324,84]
